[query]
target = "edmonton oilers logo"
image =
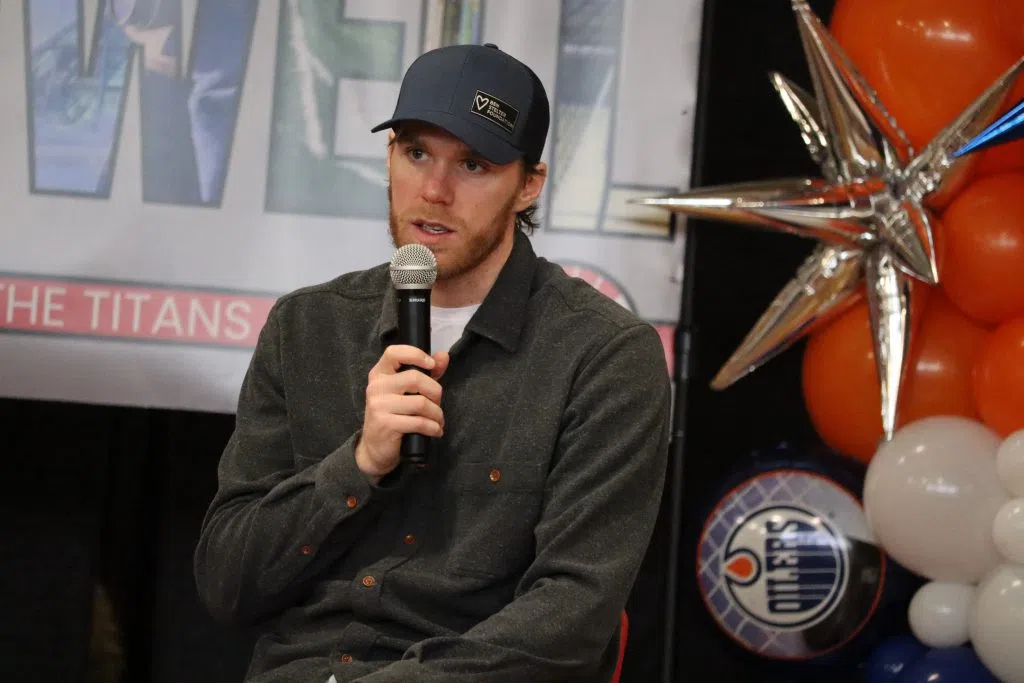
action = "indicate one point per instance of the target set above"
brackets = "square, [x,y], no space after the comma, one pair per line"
[785,567]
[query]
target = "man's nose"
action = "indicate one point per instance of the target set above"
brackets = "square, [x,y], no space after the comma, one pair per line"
[437,185]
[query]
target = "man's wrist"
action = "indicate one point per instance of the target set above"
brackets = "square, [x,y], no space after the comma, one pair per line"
[363,463]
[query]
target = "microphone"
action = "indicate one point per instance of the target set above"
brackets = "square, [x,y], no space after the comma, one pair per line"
[413,271]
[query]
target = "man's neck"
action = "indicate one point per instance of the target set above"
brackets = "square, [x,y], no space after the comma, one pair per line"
[471,287]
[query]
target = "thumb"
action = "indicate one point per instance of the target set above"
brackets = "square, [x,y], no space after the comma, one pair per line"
[441,358]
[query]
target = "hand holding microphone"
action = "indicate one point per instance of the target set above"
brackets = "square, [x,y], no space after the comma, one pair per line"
[403,397]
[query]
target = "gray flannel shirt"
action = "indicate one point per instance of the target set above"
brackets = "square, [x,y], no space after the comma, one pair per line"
[509,558]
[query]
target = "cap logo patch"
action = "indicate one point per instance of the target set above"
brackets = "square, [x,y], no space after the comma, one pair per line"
[494,110]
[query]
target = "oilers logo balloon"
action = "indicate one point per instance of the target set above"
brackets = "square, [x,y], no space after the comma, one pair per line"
[787,566]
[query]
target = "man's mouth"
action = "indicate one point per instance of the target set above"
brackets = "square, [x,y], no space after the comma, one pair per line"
[432,228]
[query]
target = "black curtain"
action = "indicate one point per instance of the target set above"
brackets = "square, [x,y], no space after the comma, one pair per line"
[743,134]
[113,497]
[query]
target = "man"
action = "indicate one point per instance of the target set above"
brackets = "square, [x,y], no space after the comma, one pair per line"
[510,556]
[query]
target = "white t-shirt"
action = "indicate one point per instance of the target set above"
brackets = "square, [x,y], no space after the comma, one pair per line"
[447,325]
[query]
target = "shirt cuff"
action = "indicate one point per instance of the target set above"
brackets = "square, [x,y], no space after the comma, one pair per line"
[343,485]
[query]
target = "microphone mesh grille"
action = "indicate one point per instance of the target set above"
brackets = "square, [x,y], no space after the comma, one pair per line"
[413,265]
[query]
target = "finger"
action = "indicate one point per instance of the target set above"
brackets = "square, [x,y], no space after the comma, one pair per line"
[399,355]
[410,382]
[413,424]
[407,382]
[412,404]
[441,359]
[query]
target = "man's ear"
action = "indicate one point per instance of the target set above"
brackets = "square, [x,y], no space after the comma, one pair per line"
[391,146]
[532,186]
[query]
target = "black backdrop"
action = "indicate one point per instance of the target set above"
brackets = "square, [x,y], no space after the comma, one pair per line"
[115,495]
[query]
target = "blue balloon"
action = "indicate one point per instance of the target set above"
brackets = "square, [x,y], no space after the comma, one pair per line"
[948,665]
[890,659]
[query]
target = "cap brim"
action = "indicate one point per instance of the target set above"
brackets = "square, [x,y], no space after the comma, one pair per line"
[484,142]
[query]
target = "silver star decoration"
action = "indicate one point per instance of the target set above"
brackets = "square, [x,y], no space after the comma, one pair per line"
[871,211]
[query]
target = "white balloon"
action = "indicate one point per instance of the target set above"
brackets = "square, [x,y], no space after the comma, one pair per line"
[996,624]
[1008,531]
[939,613]
[1010,463]
[930,495]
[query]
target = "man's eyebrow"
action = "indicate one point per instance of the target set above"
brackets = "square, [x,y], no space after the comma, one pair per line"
[416,140]
[409,139]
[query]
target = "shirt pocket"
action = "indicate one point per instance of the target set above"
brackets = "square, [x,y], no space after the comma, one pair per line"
[493,509]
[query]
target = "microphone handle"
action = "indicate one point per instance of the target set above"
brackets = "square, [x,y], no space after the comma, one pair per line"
[414,330]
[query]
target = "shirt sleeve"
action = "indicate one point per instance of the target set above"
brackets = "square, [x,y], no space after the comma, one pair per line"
[601,503]
[273,524]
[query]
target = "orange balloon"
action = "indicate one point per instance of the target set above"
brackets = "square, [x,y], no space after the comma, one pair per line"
[999,378]
[1006,158]
[983,232]
[1011,16]
[840,382]
[927,59]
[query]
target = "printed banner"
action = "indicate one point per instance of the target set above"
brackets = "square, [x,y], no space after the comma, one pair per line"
[171,167]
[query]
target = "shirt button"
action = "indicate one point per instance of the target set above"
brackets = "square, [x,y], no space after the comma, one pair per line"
[369,581]
[410,539]
[306,550]
[346,659]
[351,502]
[495,475]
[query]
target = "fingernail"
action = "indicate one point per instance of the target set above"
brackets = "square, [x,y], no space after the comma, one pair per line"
[430,361]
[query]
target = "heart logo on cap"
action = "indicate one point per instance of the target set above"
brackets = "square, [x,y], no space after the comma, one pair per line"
[487,106]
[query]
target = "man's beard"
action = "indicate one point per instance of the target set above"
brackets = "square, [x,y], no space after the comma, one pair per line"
[469,254]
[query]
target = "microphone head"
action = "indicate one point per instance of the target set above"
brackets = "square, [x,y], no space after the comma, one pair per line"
[413,267]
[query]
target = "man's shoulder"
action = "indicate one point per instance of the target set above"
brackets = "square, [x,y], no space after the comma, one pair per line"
[583,302]
[367,285]
[587,324]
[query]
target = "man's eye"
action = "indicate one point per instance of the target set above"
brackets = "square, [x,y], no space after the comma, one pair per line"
[473,166]
[415,153]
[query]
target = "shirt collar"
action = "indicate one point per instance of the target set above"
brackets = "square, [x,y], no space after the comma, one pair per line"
[502,313]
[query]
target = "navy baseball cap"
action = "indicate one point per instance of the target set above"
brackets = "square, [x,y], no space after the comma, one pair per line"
[488,99]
